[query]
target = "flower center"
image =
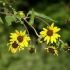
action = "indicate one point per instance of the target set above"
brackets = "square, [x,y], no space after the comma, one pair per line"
[15,45]
[51,50]
[20,38]
[49,32]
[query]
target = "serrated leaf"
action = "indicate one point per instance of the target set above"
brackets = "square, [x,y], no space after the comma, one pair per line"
[9,19]
[41,15]
[31,21]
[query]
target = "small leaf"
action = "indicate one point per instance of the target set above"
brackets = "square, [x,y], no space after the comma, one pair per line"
[19,19]
[1,20]
[41,15]
[21,22]
[9,19]
[14,12]
[31,21]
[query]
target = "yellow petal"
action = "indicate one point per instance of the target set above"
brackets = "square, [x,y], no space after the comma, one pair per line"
[27,38]
[17,32]
[43,32]
[52,39]
[56,29]
[24,32]
[48,39]
[25,43]
[44,29]
[52,25]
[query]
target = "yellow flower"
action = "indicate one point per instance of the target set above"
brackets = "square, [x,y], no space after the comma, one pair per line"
[21,13]
[52,50]
[20,38]
[50,33]
[14,47]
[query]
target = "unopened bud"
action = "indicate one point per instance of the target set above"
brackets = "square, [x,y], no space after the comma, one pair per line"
[10,1]
[32,50]
[66,48]
[68,21]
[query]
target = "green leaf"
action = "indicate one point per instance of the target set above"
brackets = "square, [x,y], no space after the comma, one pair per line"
[9,19]
[21,22]
[1,20]
[41,15]
[31,21]
[19,19]
[14,11]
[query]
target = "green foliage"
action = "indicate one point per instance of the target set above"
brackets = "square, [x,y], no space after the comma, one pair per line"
[1,20]
[41,15]
[59,11]
[31,21]
[9,19]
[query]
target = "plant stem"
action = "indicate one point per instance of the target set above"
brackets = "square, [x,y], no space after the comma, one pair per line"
[26,29]
[31,27]
[42,20]
[61,41]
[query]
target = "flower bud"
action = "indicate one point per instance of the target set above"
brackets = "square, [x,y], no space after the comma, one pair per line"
[10,1]
[68,21]
[32,50]
[66,48]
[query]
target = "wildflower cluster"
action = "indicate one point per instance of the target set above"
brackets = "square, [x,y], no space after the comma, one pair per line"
[19,40]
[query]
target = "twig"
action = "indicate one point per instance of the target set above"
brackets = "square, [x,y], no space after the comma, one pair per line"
[42,20]
[31,27]
[26,29]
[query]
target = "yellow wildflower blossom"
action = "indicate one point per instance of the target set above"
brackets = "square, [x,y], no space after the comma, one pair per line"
[52,50]
[50,33]
[21,13]
[20,38]
[14,47]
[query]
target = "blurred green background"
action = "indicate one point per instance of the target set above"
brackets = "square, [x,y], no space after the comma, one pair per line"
[58,10]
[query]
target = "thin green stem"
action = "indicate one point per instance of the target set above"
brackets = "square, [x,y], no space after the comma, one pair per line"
[61,41]
[35,31]
[39,19]
[31,27]
[26,29]
[42,20]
